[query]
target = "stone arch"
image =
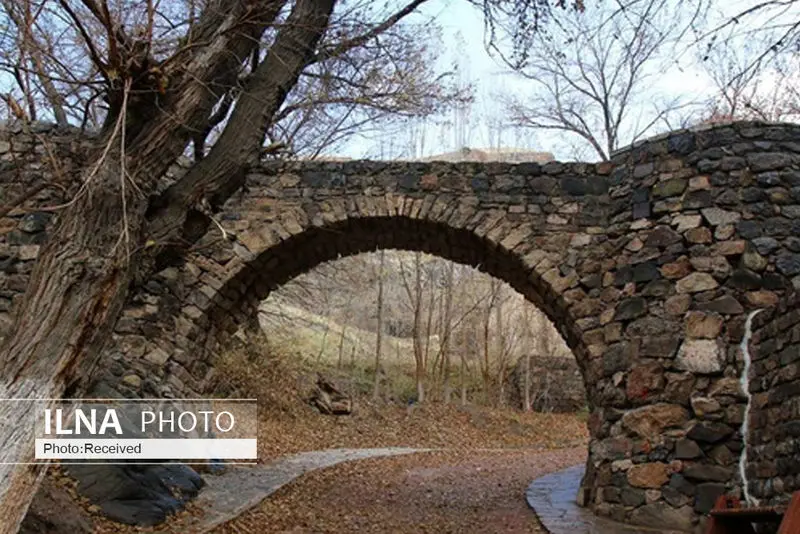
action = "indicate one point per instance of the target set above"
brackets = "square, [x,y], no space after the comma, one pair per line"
[214,301]
[537,263]
[300,253]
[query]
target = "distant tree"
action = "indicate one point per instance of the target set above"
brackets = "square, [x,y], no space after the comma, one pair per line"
[413,285]
[379,327]
[589,72]
[749,84]
[447,331]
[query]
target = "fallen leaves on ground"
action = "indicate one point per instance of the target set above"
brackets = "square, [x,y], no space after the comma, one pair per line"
[438,492]
[463,430]
[421,426]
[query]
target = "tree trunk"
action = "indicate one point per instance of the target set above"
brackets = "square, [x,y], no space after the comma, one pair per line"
[221,172]
[419,355]
[75,294]
[81,279]
[463,374]
[463,378]
[420,379]
[485,369]
[379,333]
[526,401]
[448,312]
[501,355]
[341,347]
[324,341]
[528,347]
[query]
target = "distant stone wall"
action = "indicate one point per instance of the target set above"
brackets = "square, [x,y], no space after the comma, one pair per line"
[556,384]
[773,466]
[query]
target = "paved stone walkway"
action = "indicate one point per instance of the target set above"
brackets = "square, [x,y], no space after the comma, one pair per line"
[240,488]
[552,498]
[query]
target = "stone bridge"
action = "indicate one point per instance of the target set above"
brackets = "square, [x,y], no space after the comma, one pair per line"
[648,266]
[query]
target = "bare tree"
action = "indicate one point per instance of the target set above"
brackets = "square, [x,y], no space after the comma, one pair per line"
[543,346]
[486,360]
[588,72]
[749,85]
[526,394]
[413,289]
[154,77]
[379,326]
[447,331]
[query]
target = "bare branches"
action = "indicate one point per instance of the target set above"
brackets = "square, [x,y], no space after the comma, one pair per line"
[28,46]
[747,87]
[345,46]
[87,39]
[383,82]
[518,21]
[588,70]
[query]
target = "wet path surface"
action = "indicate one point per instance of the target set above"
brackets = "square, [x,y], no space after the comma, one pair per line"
[552,497]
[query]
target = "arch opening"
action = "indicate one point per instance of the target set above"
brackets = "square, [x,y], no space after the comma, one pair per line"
[302,252]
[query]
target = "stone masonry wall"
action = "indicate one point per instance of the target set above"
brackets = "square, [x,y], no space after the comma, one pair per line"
[30,157]
[647,265]
[773,466]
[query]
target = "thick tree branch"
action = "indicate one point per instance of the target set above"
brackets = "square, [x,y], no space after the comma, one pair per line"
[221,172]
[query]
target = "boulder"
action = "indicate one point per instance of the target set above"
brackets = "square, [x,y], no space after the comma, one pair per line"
[696,283]
[142,495]
[705,406]
[727,386]
[632,497]
[704,472]
[644,381]
[687,449]
[329,399]
[726,305]
[630,309]
[703,325]
[709,431]
[680,387]
[717,216]
[53,511]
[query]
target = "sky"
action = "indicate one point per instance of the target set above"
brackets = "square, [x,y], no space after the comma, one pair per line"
[463,39]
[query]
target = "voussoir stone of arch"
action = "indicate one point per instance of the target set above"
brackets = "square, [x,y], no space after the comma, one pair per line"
[647,264]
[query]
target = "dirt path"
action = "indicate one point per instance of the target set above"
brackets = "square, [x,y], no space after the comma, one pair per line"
[437,492]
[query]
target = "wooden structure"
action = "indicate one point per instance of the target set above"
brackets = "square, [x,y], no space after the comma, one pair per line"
[729,517]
